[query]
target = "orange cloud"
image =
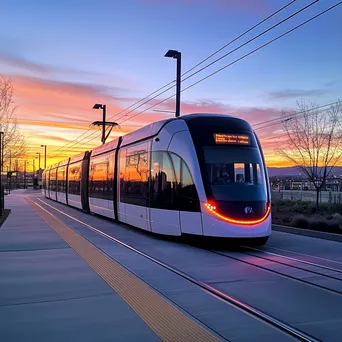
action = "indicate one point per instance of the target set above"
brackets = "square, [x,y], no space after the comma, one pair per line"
[56,113]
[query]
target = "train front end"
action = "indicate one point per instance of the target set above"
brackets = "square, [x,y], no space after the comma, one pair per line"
[235,179]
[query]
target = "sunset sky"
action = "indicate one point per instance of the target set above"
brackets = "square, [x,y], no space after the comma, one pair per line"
[64,56]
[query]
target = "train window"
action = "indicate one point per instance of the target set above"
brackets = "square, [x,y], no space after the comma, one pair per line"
[47,179]
[176,161]
[53,181]
[187,197]
[235,174]
[61,179]
[134,175]
[122,168]
[101,176]
[163,182]
[74,179]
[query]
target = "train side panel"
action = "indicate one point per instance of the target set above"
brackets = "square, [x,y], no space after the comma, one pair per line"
[186,166]
[133,184]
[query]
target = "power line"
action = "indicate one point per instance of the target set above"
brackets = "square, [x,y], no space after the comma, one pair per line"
[198,64]
[252,39]
[277,121]
[237,48]
[240,36]
[289,17]
[244,56]
[264,45]
[216,52]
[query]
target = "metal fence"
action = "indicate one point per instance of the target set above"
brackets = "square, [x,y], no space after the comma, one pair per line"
[310,196]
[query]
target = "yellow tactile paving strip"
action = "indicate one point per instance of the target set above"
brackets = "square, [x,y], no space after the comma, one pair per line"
[167,322]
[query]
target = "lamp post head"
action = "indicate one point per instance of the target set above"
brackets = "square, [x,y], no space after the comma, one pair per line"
[172,54]
[97,106]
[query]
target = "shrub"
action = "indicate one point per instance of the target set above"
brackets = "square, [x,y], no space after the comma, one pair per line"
[300,221]
[337,217]
[333,226]
[318,223]
[321,223]
[303,214]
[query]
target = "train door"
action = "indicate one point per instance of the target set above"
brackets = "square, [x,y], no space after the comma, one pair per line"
[163,212]
[190,208]
[134,190]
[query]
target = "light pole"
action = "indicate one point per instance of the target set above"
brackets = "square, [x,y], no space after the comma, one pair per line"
[1,161]
[38,160]
[44,155]
[176,54]
[25,186]
[103,107]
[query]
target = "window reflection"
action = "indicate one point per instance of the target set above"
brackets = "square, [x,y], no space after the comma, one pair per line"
[53,181]
[235,174]
[163,185]
[134,174]
[74,179]
[101,176]
[61,179]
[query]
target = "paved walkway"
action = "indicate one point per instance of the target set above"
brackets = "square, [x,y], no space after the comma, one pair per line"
[49,293]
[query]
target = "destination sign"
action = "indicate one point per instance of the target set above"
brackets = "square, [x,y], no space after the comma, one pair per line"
[237,139]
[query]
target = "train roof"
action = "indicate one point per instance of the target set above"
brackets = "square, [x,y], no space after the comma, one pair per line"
[152,130]
[155,127]
[111,145]
[206,115]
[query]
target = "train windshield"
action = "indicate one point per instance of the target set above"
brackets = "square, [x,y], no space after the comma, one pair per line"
[235,173]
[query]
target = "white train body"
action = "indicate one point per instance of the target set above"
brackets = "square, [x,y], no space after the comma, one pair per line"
[200,174]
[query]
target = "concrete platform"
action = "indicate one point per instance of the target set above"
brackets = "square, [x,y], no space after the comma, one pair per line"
[49,293]
[288,300]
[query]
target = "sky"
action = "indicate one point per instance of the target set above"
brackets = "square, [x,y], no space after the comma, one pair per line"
[64,56]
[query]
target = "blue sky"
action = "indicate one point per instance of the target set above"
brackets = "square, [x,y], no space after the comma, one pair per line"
[117,47]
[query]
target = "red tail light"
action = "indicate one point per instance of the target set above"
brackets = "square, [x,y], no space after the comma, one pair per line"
[211,206]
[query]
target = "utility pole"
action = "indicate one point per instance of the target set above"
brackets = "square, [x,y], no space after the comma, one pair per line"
[2,197]
[44,155]
[38,160]
[104,124]
[103,107]
[24,174]
[16,173]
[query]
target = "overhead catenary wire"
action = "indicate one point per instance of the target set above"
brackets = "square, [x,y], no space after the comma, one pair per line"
[214,53]
[145,102]
[237,48]
[277,121]
[186,72]
[247,54]
[239,59]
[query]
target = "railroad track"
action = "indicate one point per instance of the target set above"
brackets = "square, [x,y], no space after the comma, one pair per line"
[336,280]
[230,300]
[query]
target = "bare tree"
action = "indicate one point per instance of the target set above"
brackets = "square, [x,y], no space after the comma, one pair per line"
[13,141]
[314,141]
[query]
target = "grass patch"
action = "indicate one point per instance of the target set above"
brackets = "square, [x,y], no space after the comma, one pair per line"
[302,214]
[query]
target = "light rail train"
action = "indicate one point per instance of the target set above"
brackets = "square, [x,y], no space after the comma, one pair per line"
[199,174]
